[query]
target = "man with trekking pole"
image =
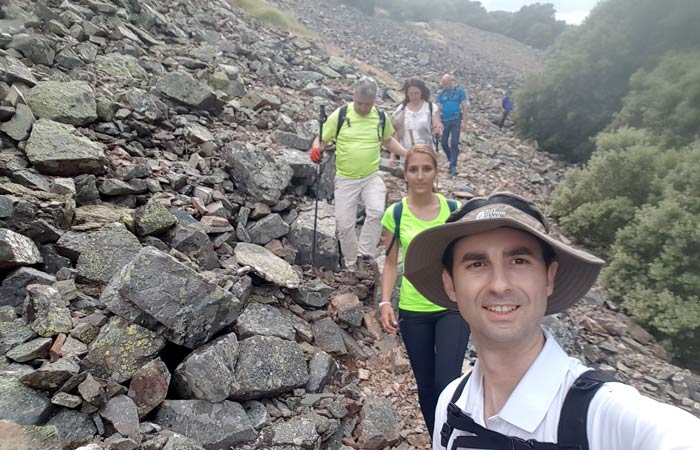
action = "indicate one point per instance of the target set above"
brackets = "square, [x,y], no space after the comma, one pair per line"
[359,130]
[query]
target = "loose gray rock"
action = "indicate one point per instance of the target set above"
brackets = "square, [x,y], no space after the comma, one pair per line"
[17,250]
[195,243]
[36,348]
[51,375]
[71,102]
[322,368]
[167,440]
[185,89]
[315,294]
[257,99]
[207,373]
[121,349]
[46,311]
[66,400]
[165,296]
[120,67]
[257,413]
[267,265]
[19,126]
[268,366]
[13,334]
[299,431]
[13,290]
[216,426]
[302,233]
[147,105]
[12,70]
[17,437]
[74,428]
[292,140]
[36,407]
[380,425]
[106,252]
[38,49]
[149,386]
[121,413]
[153,218]
[268,228]
[264,320]
[329,336]
[59,149]
[258,173]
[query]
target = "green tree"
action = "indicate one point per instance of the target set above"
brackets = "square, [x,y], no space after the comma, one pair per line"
[587,71]
[665,100]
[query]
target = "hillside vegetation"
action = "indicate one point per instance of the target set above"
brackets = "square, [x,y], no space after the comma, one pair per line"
[622,92]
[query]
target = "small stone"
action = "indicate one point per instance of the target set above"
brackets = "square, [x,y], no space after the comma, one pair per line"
[66,400]
[299,431]
[380,425]
[257,413]
[47,311]
[121,413]
[153,218]
[34,349]
[328,336]
[322,368]
[149,386]
[264,320]
[17,250]
[51,375]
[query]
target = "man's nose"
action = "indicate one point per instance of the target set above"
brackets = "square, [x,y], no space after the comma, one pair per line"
[499,283]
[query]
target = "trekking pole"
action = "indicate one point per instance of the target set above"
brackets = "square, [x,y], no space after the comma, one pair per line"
[321,119]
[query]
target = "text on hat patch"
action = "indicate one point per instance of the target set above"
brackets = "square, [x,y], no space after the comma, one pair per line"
[492,213]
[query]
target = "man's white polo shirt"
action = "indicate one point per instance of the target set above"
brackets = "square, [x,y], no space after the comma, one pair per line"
[619,417]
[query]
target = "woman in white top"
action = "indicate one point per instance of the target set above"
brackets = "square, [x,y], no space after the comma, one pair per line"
[416,119]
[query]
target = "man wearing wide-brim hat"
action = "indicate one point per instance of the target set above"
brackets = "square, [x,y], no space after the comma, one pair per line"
[496,261]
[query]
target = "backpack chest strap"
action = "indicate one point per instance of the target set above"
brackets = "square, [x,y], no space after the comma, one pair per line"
[483,438]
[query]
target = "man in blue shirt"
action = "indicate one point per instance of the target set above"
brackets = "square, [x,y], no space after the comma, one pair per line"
[452,108]
[507,107]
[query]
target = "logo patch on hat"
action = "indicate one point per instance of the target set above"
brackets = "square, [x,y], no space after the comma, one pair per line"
[491,213]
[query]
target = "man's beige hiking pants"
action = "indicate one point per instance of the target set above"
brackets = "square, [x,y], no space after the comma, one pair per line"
[348,191]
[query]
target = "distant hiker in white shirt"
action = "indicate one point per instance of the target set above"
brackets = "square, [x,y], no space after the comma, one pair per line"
[496,262]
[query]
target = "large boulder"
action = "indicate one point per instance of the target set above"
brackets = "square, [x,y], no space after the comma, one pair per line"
[301,236]
[120,67]
[12,70]
[121,349]
[149,386]
[380,425]
[59,149]
[106,252]
[156,291]
[71,102]
[267,265]
[183,88]
[256,172]
[46,311]
[216,426]
[207,373]
[268,228]
[74,428]
[17,250]
[36,406]
[268,366]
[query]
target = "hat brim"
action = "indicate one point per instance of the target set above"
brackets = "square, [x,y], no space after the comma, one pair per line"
[576,274]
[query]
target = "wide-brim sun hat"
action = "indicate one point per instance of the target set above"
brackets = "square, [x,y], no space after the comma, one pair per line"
[576,274]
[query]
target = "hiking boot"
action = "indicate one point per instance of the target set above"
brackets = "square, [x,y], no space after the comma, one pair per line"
[366,267]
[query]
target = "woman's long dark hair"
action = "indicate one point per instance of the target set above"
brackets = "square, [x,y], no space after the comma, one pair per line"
[424,91]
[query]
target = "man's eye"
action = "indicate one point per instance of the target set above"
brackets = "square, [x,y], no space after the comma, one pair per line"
[520,261]
[475,265]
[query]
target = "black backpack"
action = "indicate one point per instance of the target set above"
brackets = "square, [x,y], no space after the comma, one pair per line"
[398,210]
[342,118]
[572,432]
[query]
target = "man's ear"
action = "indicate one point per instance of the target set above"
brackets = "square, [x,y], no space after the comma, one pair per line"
[448,285]
[551,274]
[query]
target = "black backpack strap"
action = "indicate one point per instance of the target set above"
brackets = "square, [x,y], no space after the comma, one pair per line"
[573,421]
[381,125]
[342,114]
[448,427]
[396,213]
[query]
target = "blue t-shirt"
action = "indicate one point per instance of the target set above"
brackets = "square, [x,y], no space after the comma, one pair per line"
[507,103]
[450,101]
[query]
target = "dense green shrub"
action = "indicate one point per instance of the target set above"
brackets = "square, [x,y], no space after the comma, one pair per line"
[654,272]
[665,100]
[587,72]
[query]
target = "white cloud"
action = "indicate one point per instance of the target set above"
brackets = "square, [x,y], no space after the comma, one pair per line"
[573,17]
